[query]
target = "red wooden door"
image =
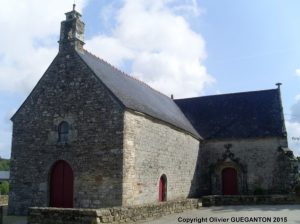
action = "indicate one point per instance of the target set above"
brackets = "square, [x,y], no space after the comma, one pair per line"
[162,189]
[61,185]
[229,180]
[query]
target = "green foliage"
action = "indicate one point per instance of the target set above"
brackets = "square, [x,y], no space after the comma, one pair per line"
[4,164]
[297,178]
[297,190]
[4,188]
[259,191]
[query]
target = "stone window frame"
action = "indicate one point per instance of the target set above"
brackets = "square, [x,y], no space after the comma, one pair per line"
[53,136]
[63,132]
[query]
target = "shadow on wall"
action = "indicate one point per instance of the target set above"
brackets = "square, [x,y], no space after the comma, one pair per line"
[196,189]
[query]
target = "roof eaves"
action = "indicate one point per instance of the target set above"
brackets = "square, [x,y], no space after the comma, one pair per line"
[225,94]
[196,134]
[199,137]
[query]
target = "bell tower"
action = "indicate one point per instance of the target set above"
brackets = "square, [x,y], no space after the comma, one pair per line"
[72,31]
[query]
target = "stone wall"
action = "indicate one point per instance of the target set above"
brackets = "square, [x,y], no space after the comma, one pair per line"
[3,199]
[68,91]
[110,215]
[151,149]
[257,163]
[219,200]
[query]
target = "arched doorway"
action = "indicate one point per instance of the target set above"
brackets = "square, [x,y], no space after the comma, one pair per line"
[61,185]
[162,188]
[229,181]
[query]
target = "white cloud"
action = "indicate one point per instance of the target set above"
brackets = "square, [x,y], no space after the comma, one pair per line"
[28,40]
[159,45]
[5,146]
[293,130]
[111,49]
[188,9]
[295,109]
[298,72]
[293,127]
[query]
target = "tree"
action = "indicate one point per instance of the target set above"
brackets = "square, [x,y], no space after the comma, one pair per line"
[4,187]
[4,165]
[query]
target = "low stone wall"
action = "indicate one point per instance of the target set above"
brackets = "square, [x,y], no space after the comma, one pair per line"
[62,216]
[108,215]
[3,199]
[3,210]
[219,200]
[1,214]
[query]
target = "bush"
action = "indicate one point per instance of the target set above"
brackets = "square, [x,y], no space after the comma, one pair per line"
[259,191]
[297,190]
[4,164]
[4,188]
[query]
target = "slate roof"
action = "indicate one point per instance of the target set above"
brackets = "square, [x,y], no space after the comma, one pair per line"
[136,95]
[4,175]
[236,115]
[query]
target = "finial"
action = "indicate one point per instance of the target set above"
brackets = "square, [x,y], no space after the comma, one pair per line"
[74,5]
[278,85]
[172,96]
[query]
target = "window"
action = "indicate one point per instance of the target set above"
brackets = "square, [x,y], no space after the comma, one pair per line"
[162,190]
[63,132]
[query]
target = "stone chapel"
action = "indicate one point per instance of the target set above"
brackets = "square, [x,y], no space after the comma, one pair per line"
[91,136]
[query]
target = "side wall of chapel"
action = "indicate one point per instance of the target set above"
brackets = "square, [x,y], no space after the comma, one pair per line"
[153,149]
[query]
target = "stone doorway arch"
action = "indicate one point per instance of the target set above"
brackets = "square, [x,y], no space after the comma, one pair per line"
[61,185]
[237,173]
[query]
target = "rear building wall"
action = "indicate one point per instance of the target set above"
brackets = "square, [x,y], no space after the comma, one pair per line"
[260,164]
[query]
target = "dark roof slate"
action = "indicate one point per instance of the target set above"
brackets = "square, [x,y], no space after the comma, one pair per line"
[4,175]
[136,95]
[236,115]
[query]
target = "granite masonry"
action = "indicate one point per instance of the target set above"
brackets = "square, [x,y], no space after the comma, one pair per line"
[91,136]
[3,199]
[95,141]
[125,214]
[152,149]
[262,173]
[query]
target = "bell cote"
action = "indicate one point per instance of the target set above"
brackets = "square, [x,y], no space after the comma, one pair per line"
[72,31]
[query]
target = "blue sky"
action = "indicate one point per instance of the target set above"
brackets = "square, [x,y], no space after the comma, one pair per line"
[183,47]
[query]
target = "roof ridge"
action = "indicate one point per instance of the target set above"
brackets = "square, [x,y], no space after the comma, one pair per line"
[124,73]
[226,94]
[136,95]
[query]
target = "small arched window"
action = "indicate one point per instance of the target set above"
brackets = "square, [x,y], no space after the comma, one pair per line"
[162,190]
[63,132]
